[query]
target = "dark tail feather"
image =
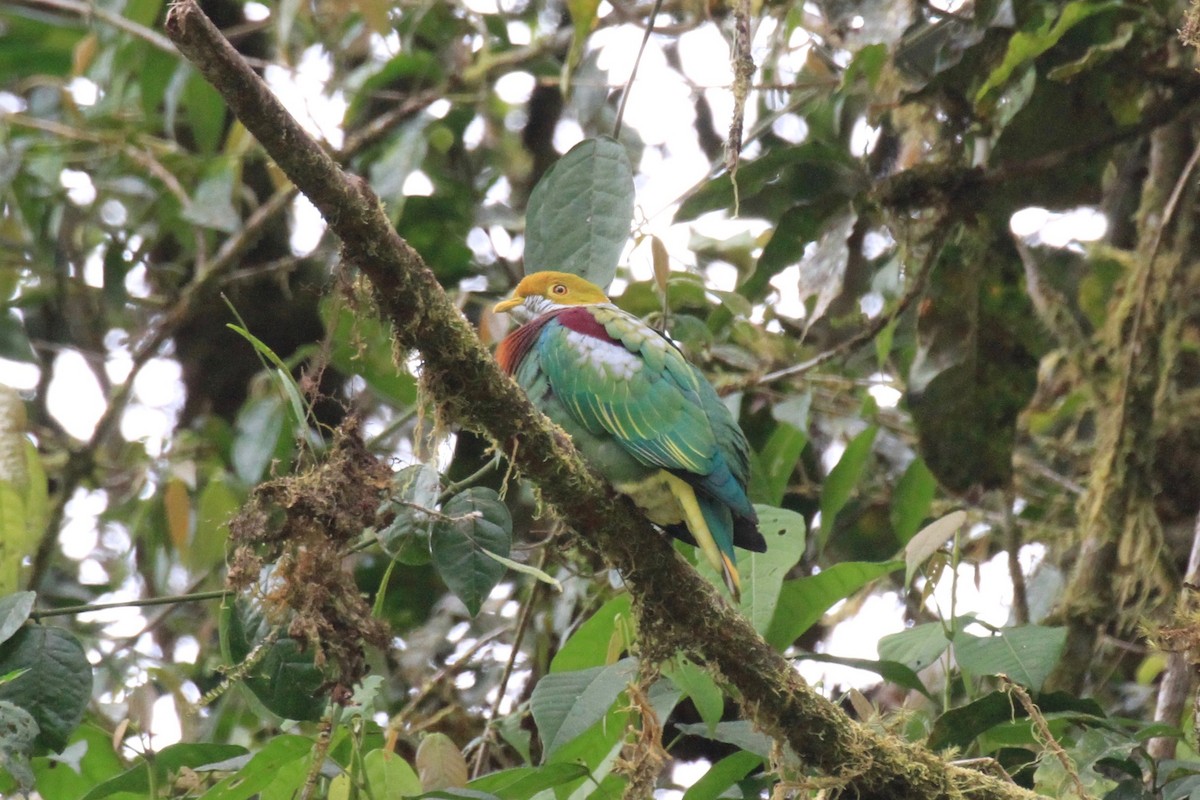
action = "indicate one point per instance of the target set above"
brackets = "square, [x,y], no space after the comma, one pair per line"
[747,536]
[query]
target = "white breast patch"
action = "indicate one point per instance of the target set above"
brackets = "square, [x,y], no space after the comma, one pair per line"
[613,359]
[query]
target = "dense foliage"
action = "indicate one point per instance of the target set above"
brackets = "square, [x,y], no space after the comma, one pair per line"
[937,257]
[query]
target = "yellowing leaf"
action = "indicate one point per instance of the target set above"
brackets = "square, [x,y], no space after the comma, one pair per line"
[178,507]
[83,54]
[930,540]
[440,764]
[662,263]
[375,13]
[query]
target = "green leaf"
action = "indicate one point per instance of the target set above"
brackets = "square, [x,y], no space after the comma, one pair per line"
[33,45]
[763,573]
[385,774]
[891,671]
[94,762]
[1052,778]
[14,342]
[285,680]
[920,645]
[37,492]
[14,610]
[777,462]
[206,113]
[522,783]
[734,303]
[697,684]
[793,411]
[911,499]
[282,375]
[796,228]
[260,770]
[361,345]
[580,212]
[259,435]
[57,685]
[842,480]
[473,522]
[414,495]
[217,504]
[583,18]
[741,734]
[565,704]
[114,273]
[588,646]
[722,775]
[1025,46]
[929,541]
[1026,654]
[803,601]
[527,569]
[402,156]
[437,228]
[14,535]
[958,727]
[169,760]
[814,179]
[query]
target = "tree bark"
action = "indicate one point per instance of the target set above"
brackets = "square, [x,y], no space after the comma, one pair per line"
[677,609]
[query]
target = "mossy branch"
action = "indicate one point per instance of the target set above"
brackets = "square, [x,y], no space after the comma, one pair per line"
[677,609]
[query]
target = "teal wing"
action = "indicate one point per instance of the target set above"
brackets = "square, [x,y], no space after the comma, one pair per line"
[634,385]
[644,400]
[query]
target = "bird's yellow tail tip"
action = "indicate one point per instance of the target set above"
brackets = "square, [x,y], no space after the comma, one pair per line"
[732,579]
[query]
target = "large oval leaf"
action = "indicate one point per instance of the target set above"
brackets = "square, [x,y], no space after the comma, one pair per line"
[1025,654]
[473,523]
[285,679]
[566,704]
[803,601]
[580,212]
[55,684]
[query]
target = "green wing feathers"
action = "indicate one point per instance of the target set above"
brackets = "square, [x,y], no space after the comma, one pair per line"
[659,421]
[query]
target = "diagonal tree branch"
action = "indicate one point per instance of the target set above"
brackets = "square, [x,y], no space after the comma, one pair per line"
[677,609]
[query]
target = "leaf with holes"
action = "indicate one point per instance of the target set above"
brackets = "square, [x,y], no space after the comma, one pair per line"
[763,573]
[56,684]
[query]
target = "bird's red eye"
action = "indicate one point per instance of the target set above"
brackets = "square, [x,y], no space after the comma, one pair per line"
[559,289]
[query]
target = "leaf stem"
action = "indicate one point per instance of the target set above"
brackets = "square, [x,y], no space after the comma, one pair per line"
[633,73]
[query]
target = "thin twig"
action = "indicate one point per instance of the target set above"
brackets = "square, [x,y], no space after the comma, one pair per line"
[216,594]
[868,333]
[633,73]
[90,11]
[518,637]
[1012,543]
[400,719]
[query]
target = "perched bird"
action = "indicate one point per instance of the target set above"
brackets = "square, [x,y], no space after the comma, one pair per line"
[639,413]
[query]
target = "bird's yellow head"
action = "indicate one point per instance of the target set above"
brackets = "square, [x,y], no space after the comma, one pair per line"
[544,290]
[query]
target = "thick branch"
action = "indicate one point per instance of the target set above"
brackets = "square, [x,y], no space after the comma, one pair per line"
[676,607]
